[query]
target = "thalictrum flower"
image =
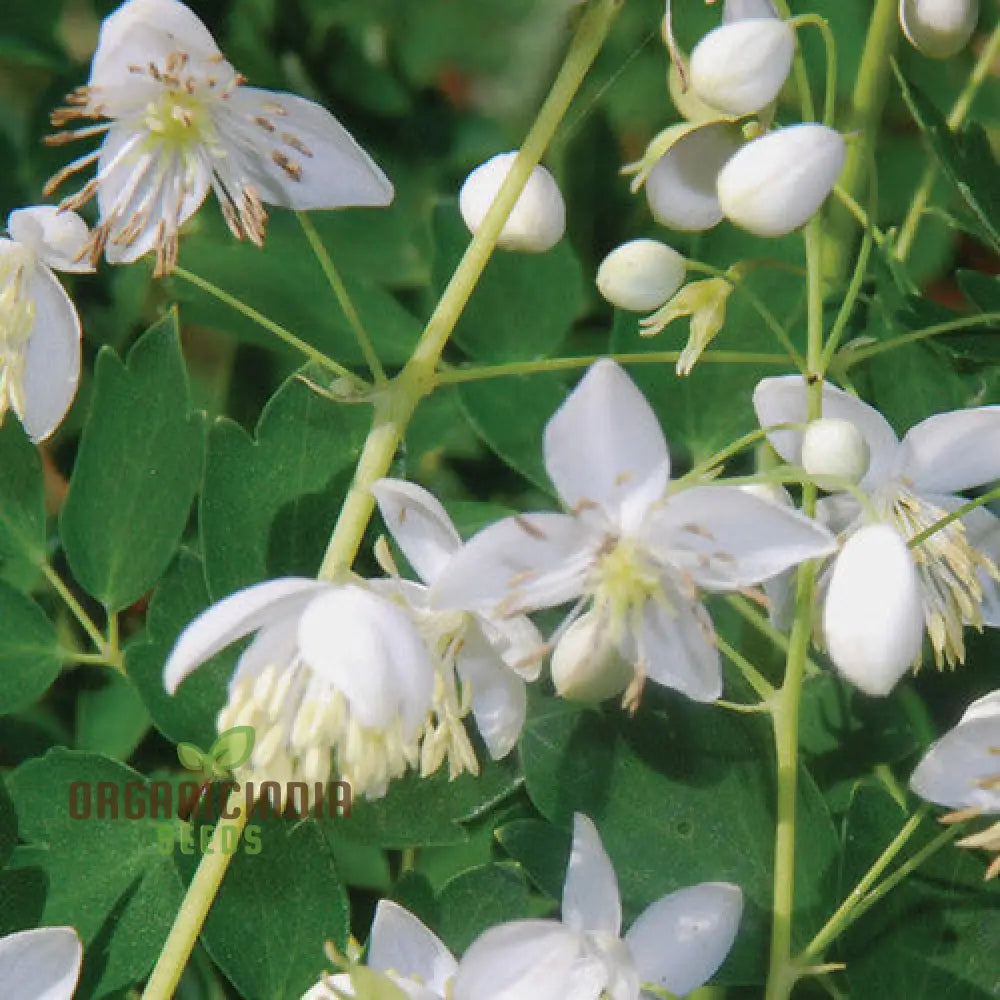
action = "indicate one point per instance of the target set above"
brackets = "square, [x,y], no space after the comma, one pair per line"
[492,656]
[635,557]
[911,485]
[40,964]
[336,676]
[39,325]
[676,944]
[178,121]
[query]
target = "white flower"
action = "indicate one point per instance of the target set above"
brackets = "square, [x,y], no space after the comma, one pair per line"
[179,121]
[636,558]
[640,275]
[537,221]
[741,67]
[939,28]
[675,945]
[872,617]
[832,447]
[406,951]
[776,183]
[335,676]
[492,656]
[739,10]
[912,484]
[40,964]
[39,326]
[586,664]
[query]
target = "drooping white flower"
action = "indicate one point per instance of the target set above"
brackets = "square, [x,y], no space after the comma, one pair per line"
[675,945]
[178,121]
[40,964]
[912,484]
[938,28]
[493,657]
[406,951]
[635,558]
[740,67]
[872,616]
[336,677]
[640,275]
[776,183]
[39,326]
[537,221]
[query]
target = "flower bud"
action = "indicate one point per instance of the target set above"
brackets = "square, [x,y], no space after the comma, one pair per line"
[739,10]
[741,67]
[538,219]
[832,447]
[640,275]
[873,618]
[938,28]
[778,182]
[586,666]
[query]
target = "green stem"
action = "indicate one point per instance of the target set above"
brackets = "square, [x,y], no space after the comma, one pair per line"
[312,353]
[762,687]
[830,46]
[922,197]
[954,515]
[343,298]
[713,461]
[850,298]
[85,621]
[852,357]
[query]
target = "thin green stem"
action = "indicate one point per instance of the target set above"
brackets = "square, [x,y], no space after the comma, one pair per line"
[860,213]
[849,358]
[343,298]
[762,687]
[850,298]
[980,71]
[801,73]
[953,515]
[312,353]
[76,609]
[830,46]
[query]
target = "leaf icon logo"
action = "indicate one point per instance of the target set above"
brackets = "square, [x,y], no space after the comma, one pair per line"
[231,750]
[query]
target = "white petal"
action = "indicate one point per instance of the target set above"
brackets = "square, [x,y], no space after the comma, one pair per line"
[52,360]
[499,699]
[738,10]
[540,959]
[274,645]
[590,899]
[401,943]
[782,400]
[604,446]
[232,618]
[335,172]
[517,641]
[676,647]
[951,452]
[367,647]
[419,524]
[952,771]
[726,538]
[41,964]
[57,238]
[520,563]
[680,941]
[983,531]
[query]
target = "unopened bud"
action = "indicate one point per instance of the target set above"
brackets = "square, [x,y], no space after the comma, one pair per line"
[778,182]
[938,28]
[640,275]
[873,618]
[833,447]
[538,219]
[586,666]
[740,10]
[741,67]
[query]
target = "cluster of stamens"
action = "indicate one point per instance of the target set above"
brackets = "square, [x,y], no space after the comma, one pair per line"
[17,318]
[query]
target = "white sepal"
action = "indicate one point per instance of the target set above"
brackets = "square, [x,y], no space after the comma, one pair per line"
[938,28]
[590,900]
[40,964]
[640,275]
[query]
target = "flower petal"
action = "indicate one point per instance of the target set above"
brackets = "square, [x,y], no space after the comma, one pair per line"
[367,647]
[604,446]
[676,648]
[590,900]
[232,618]
[782,400]
[329,169]
[517,641]
[402,944]
[521,563]
[419,524]
[52,356]
[983,531]
[725,538]
[680,941]
[951,452]
[40,964]
[952,772]
[57,238]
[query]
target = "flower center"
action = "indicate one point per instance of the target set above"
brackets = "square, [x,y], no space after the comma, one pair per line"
[17,318]
[624,579]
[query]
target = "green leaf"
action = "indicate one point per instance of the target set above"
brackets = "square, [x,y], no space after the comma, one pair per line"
[479,899]
[541,849]
[233,747]
[108,877]
[269,503]
[680,796]
[30,654]
[22,504]
[190,756]
[524,304]
[111,719]
[136,472]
